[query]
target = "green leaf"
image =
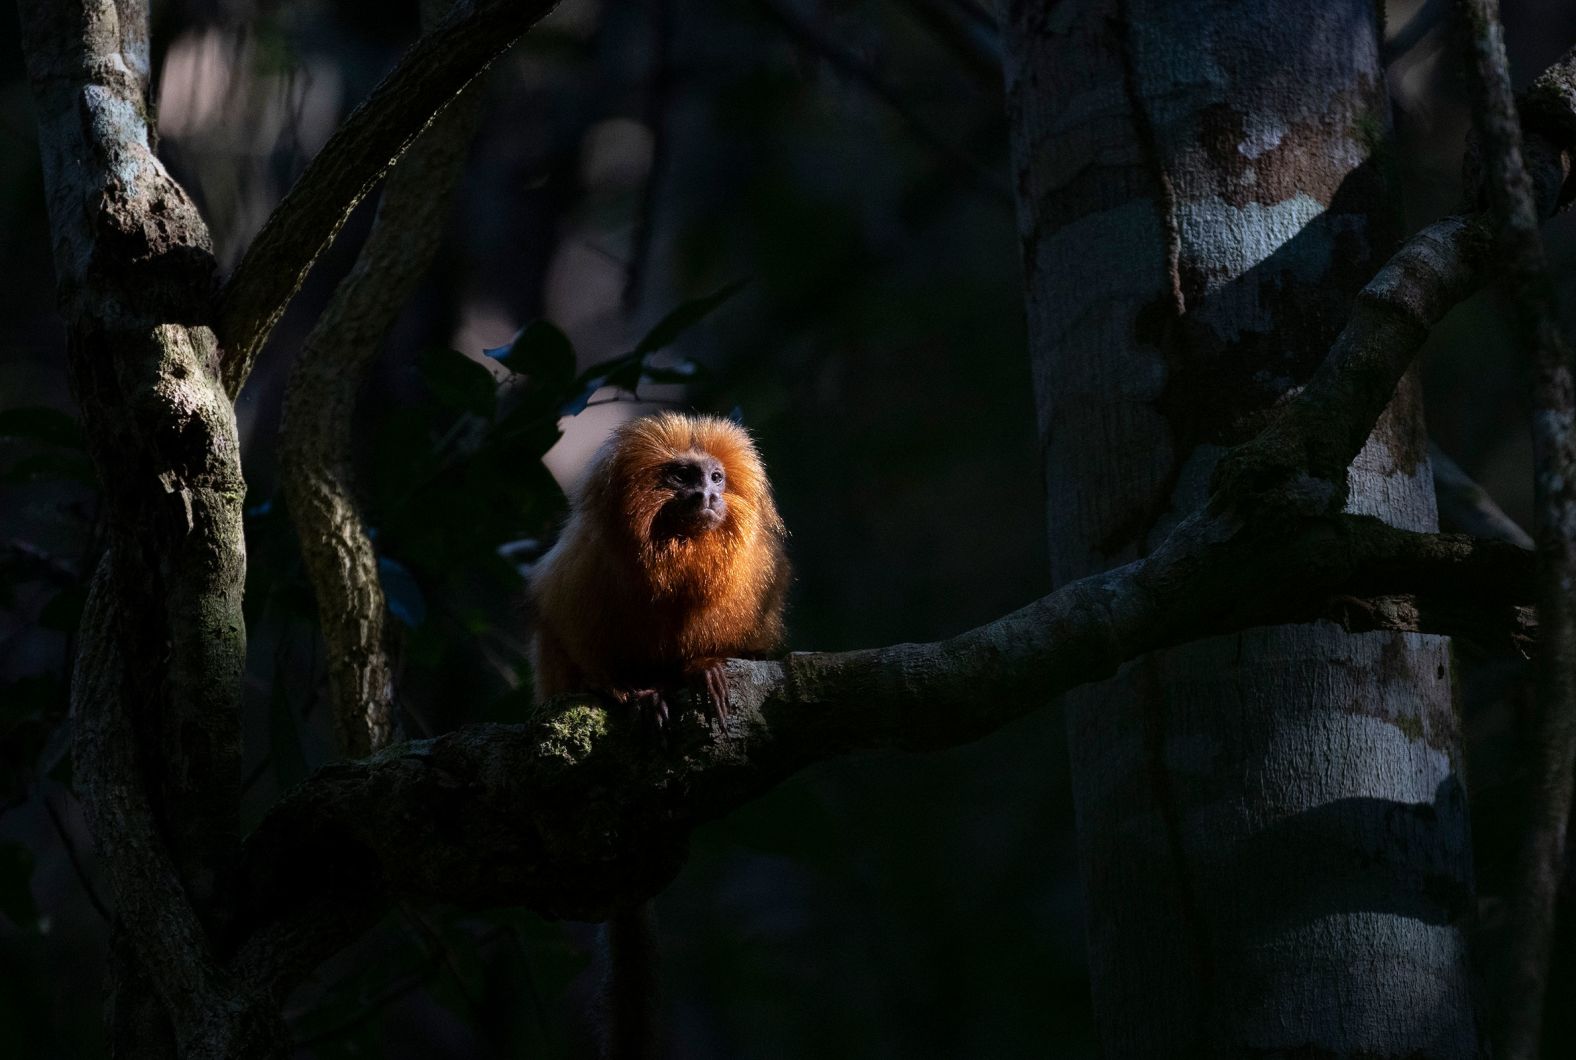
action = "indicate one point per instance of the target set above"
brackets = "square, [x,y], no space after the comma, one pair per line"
[542,352]
[626,376]
[577,404]
[16,892]
[685,316]
[39,423]
[457,381]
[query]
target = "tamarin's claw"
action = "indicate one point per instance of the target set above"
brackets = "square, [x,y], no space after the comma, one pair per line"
[716,702]
[651,706]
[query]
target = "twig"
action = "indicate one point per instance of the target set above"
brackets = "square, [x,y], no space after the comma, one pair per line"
[1509,190]
[428,78]
[320,399]
[862,74]
[48,567]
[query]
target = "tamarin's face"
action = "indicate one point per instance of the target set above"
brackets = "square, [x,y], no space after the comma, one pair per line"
[699,503]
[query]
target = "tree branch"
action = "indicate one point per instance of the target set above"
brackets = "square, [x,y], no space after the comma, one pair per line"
[319,406]
[1325,426]
[1510,192]
[428,77]
[574,814]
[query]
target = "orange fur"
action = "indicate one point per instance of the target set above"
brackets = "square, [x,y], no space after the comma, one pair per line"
[617,607]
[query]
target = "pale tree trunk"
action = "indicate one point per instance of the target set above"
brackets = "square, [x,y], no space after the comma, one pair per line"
[1272,825]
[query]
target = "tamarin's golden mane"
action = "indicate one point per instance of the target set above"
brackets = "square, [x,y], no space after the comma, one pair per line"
[615,593]
[624,490]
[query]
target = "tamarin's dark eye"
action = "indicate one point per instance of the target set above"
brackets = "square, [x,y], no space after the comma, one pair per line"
[716,476]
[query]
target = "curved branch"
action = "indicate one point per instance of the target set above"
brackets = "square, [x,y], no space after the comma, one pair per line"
[1510,191]
[574,815]
[428,78]
[1325,426]
[315,429]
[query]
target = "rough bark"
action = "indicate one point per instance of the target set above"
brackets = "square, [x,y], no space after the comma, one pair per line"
[1273,833]
[156,695]
[156,701]
[320,400]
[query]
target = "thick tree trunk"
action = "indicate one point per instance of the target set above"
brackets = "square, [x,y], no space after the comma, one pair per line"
[156,695]
[1272,825]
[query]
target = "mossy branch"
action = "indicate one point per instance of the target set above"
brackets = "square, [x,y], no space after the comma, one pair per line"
[580,812]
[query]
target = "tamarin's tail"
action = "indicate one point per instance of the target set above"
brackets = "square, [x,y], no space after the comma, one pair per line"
[629,988]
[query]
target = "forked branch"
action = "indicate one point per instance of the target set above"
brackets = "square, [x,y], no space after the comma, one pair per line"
[428,78]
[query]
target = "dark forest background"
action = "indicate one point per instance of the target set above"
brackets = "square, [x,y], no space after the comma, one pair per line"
[847,161]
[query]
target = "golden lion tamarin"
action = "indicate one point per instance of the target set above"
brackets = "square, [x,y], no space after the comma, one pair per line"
[671,561]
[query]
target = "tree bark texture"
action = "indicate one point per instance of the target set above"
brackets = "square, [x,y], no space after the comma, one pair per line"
[1272,825]
[155,701]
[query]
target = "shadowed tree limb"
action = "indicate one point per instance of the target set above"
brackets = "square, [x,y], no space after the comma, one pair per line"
[428,78]
[1510,193]
[319,406]
[573,814]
